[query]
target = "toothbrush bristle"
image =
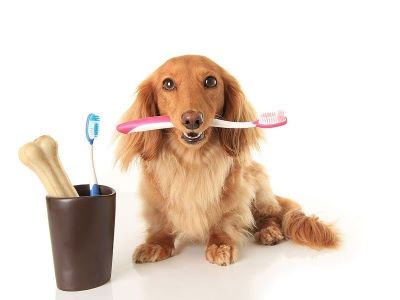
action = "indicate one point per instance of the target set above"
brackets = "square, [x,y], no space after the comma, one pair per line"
[272,117]
[96,129]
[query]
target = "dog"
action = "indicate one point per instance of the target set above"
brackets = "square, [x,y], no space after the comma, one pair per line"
[199,182]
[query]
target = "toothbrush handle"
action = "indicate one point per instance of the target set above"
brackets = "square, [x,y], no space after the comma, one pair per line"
[95,190]
[229,124]
[94,187]
[150,123]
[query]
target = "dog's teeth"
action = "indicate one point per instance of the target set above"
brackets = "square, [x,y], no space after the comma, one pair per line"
[192,137]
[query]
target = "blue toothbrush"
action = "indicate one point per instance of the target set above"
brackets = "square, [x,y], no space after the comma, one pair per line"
[92,132]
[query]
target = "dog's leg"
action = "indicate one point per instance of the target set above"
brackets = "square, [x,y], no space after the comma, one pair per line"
[221,249]
[159,245]
[234,222]
[266,210]
[268,228]
[267,217]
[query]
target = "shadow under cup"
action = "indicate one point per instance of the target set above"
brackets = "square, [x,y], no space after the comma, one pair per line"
[82,236]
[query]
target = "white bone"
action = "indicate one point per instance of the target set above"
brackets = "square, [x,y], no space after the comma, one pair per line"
[41,157]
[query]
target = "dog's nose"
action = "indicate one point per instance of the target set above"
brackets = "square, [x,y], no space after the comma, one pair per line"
[191,119]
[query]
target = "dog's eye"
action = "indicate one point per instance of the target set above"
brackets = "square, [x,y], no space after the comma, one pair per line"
[210,82]
[168,84]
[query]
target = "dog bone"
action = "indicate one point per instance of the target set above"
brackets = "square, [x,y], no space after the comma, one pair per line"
[49,170]
[50,149]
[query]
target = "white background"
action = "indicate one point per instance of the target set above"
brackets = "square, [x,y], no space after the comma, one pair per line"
[333,66]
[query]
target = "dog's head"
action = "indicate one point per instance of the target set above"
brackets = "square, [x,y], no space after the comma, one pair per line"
[192,91]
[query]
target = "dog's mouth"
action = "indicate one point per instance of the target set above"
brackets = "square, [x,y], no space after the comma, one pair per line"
[193,137]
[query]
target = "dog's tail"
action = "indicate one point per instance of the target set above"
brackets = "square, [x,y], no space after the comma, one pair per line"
[305,230]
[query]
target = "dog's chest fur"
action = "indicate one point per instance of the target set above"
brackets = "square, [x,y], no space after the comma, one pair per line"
[192,183]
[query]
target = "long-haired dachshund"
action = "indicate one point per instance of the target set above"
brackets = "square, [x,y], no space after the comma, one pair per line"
[200,182]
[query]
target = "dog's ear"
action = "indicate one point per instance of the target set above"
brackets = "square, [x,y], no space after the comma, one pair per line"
[236,108]
[141,144]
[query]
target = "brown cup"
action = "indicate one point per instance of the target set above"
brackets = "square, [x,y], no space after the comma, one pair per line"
[82,236]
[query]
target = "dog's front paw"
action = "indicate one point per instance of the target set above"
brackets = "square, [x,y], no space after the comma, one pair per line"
[222,255]
[151,253]
[270,235]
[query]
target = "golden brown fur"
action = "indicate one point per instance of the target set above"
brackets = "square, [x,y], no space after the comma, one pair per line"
[211,191]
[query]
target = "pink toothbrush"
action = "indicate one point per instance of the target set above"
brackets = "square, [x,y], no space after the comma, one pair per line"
[267,120]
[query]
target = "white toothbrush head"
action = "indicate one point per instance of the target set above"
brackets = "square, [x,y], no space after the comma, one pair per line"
[92,127]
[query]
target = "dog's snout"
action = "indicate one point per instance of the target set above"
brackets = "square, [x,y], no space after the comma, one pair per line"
[192,120]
